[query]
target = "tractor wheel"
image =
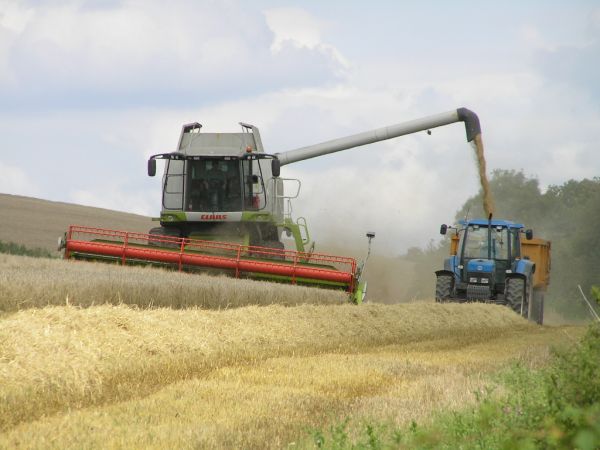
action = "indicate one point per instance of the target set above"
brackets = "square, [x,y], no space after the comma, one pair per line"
[537,311]
[443,288]
[515,295]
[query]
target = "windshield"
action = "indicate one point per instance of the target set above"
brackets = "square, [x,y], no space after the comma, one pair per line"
[227,184]
[214,185]
[476,245]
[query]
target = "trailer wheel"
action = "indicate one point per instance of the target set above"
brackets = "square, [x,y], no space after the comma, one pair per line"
[538,306]
[515,295]
[443,288]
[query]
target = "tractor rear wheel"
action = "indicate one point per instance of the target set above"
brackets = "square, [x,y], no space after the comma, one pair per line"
[515,296]
[443,288]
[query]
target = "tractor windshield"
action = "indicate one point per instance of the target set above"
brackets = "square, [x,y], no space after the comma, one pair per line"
[476,244]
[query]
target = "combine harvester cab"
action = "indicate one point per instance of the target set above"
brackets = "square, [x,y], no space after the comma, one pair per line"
[491,262]
[225,208]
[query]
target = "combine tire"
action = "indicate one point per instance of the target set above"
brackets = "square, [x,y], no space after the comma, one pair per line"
[276,245]
[443,288]
[515,295]
[163,231]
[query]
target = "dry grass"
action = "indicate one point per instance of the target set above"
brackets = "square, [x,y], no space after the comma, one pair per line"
[76,357]
[244,378]
[34,282]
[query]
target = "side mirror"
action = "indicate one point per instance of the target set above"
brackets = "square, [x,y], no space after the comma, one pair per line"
[275,167]
[444,229]
[529,234]
[151,167]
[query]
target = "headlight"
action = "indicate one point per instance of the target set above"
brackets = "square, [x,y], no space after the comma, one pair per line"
[485,280]
[472,280]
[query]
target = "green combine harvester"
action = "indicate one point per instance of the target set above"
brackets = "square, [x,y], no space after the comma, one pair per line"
[225,207]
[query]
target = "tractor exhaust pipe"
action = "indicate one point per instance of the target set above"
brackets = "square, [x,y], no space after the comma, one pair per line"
[489,236]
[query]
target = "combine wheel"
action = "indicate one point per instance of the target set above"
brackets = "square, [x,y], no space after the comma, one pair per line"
[163,231]
[443,288]
[515,296]
[274,245]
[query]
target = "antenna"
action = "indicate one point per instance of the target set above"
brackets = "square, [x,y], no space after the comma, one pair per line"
[467,213]
[370,236]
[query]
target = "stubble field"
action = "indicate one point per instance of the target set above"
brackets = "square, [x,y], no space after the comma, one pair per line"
[91,357]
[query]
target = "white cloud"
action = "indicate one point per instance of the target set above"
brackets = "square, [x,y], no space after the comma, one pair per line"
[14,180]
[14,16]
[176,54]
[296,27]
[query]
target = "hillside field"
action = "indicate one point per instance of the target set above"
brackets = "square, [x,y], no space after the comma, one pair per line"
[38,223]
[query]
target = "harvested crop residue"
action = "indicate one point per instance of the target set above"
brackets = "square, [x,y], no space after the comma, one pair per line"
[251,377]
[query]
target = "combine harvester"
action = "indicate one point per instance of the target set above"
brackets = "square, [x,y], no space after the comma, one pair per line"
[225,207]
[491,262]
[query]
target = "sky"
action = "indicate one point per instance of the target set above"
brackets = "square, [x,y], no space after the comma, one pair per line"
[90,89]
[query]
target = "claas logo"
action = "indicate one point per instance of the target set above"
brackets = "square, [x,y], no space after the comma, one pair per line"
[213,217]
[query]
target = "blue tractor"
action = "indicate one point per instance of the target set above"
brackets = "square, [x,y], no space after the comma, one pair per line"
[487,264]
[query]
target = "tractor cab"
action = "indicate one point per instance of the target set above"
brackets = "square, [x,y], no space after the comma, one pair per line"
[486,250]
[485,253]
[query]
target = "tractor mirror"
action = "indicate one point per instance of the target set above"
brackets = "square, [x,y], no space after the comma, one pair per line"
[151,167]
[529,234]
[275,167]
[443,229]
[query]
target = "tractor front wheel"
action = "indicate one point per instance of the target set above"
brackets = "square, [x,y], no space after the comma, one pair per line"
[516,297]
[443,288]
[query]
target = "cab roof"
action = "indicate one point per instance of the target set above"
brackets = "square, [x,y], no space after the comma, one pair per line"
[494,222]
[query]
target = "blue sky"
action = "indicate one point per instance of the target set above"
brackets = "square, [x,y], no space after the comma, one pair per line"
[89,89]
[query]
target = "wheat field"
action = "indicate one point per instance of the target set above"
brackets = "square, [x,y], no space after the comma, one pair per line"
[27,282]
[91,357]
